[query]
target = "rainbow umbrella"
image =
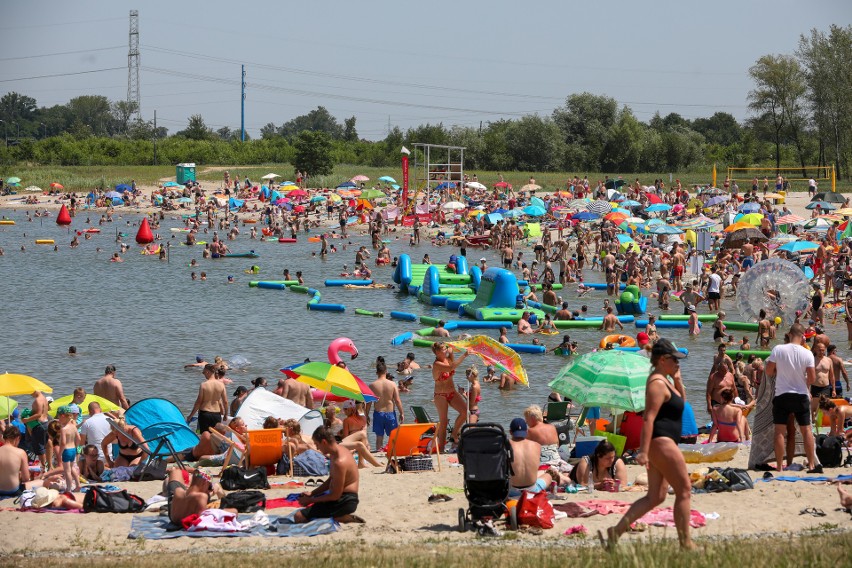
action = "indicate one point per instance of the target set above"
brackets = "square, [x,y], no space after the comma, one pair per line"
[492,352]
[331,379]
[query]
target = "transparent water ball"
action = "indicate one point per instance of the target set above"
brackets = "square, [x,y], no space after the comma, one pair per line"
[775,285]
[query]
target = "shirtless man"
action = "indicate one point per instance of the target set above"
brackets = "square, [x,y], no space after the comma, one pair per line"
[337,497]
[839,370]
[14,467]
[110,388]
[524,327]
[185,501]
[507,255]
[37,423]
[549,297]
[610,320]
[69,439]
[527,458]
[542,433]
[384,418]
[611,276]
[720,379]
[678,267]
[747,256]
[564,313]
[300,393]
[439,330]
[824,378]
[211,402]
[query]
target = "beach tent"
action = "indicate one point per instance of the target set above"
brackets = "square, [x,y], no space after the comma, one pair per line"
[122,187]
[235,203]
[157,417]
[261,403]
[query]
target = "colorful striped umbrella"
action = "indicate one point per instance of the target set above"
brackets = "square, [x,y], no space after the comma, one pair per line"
[609,378]
[599,207]
[331,379]
[492,352]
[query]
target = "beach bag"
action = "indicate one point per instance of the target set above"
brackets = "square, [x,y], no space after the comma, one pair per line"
[244,501]
[829,450]
[97,500]
[738,479]
[417,462]
[234,477]
[310,463]
[155,470]
[534,510]
[283,467]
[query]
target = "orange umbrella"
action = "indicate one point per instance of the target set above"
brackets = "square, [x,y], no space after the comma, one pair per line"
[363,204]
[737,226]
[616,217]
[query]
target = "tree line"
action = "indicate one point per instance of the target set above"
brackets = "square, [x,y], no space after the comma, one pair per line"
[800,115]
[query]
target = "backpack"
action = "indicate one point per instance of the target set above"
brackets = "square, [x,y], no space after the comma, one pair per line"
[829,450]
[97,500]
[234,477]
[154,470]
[244,501]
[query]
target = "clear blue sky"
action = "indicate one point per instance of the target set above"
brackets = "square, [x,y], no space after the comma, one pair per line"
[456,62]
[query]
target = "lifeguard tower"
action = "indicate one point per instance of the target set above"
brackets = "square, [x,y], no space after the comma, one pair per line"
[437,168]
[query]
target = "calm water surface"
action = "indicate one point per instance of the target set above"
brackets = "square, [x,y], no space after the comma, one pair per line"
[149,319]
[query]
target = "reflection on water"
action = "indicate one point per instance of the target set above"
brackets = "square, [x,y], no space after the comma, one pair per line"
[149,319]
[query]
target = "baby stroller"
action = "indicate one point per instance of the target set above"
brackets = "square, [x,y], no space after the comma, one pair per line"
[486,455]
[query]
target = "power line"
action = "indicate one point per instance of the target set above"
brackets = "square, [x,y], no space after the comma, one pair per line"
[10,28]
[61,53]
[61,74]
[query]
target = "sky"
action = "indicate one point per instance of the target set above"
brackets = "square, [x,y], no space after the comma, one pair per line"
[403,64]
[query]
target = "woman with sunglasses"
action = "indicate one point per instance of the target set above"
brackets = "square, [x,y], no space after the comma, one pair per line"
[445,394]
[658,449]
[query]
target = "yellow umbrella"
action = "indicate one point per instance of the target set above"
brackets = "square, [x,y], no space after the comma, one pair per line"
[106,405]
[288,187]
[13,384]
[845,212]
[751,219]
[334,198]
[476,213]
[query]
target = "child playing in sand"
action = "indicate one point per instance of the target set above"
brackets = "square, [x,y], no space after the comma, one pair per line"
[69,439]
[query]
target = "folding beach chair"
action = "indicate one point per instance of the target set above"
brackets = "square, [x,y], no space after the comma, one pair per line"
[420,415]
[410,440]
[556,411]
[234,455]
[162,444]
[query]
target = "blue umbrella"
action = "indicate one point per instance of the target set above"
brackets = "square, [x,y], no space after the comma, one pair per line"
[493,218]
[630,203]
[513,213]
[799,246]
[750,207]
[171,184]
[318,198]
[620,210]
[501,210]
[122,187]
[283,183]
[658,207]
[586,216]
[663,229]
[112,195]
[716,200]
[387,179]
[346,185]
[395,186]
[445,185]
[538,203]
[824,205]
[534,211]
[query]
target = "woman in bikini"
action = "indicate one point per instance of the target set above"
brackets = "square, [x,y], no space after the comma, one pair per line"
[474,394]
[727,420]
[445,394]
[608,470]
[130,447]
[661,429]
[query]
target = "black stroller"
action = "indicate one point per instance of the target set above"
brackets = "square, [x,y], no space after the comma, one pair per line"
[486,455]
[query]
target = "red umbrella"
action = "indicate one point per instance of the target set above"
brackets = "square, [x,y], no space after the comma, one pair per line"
[503,184]
[299,208]
[653,198]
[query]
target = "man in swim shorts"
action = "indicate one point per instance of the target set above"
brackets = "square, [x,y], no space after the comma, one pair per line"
[542,433]
[337,497]
[525,473]
[14,466]
[384,418]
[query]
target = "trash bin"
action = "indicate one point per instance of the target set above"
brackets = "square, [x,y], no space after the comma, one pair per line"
[781,200]
[185,173]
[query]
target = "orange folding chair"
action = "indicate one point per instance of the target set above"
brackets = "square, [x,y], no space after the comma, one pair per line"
[264,447]
[412,439]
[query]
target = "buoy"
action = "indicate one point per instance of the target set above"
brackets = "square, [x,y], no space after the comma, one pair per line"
[64,217]
[144,235]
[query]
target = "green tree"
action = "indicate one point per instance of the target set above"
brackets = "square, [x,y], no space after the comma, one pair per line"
[535,144]
[17,108]
[122,111]
[772,75]
[94,111]
[350,134]
[496,152]
[584,121]
[313,153]
[196,129]
[721,128]
[319,120]
[623,149]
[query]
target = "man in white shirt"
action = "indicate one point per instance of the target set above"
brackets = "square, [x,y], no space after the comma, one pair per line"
[714,290]
[95,429]
[812,187]
[793,367]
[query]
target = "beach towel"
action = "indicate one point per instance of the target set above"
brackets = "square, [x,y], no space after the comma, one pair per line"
[812,479]
[762,448]
[159,528]
[283,502]
[665,518]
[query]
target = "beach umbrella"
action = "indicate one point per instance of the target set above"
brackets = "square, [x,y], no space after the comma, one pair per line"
[578,203]
[534,211]
[773,196]
[653,198]
[749,207]
[363,204]
[475,185]
[445,185]
[752,219]
[585,216]
[334,198]
[625,243]
[32,188]
[372,194]
[658,207]
[494,218]
[609,378]
[318,198]
[106,405]
[818,224]
[13,179]
[513,213]
[387,179]
[630,203]
[799,246]
[495,353]
[347,185]
[740,237]
[716,200]
[7,405]
[845,212]
[789,219]
[112,195]
[13,384]
[737,226]
[331,379]
[599,207]
[663,229]
[288,187]
[453,205]
[57,185]
[538,202]
[395,186]
[824,205]
[297,193]
[171,184]
[270,176]
[360,177]
[620,210]
[830,197]
[531,187]
[185,200]
[616,217]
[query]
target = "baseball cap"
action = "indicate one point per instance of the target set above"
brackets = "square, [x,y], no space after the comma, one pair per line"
[348,404]
[642,338]
[49,399]
[62,410]
[482,259]
[518,428]
[73,409]
[666,347]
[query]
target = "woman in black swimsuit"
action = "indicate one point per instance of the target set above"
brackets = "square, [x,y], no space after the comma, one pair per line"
[129,448]
[658,448]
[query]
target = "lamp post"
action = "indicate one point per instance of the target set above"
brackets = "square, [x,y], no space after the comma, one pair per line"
[5,132]
[44,131]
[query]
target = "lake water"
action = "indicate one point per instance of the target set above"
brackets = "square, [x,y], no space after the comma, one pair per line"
[149,319]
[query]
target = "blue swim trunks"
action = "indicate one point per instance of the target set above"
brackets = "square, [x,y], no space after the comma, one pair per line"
[748,262]
[384,423]
[537,487]
[69,455]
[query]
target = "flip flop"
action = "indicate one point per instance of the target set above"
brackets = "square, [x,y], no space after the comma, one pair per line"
[813,511]
[311,483]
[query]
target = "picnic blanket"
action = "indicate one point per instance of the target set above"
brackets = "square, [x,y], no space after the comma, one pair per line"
[657,517]
[159,528]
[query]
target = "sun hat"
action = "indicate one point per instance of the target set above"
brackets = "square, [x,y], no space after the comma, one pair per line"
[44,497]
[518,428]
[666,347]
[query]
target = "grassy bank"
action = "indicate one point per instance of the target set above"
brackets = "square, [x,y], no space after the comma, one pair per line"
[83,178]
[815,549]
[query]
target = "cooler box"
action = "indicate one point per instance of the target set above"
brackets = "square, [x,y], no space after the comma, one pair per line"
[185,173]
[585,445]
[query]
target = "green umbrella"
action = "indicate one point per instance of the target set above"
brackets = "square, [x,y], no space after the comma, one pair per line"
[608,378]
[13,179]
[7,405]
[372,194]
